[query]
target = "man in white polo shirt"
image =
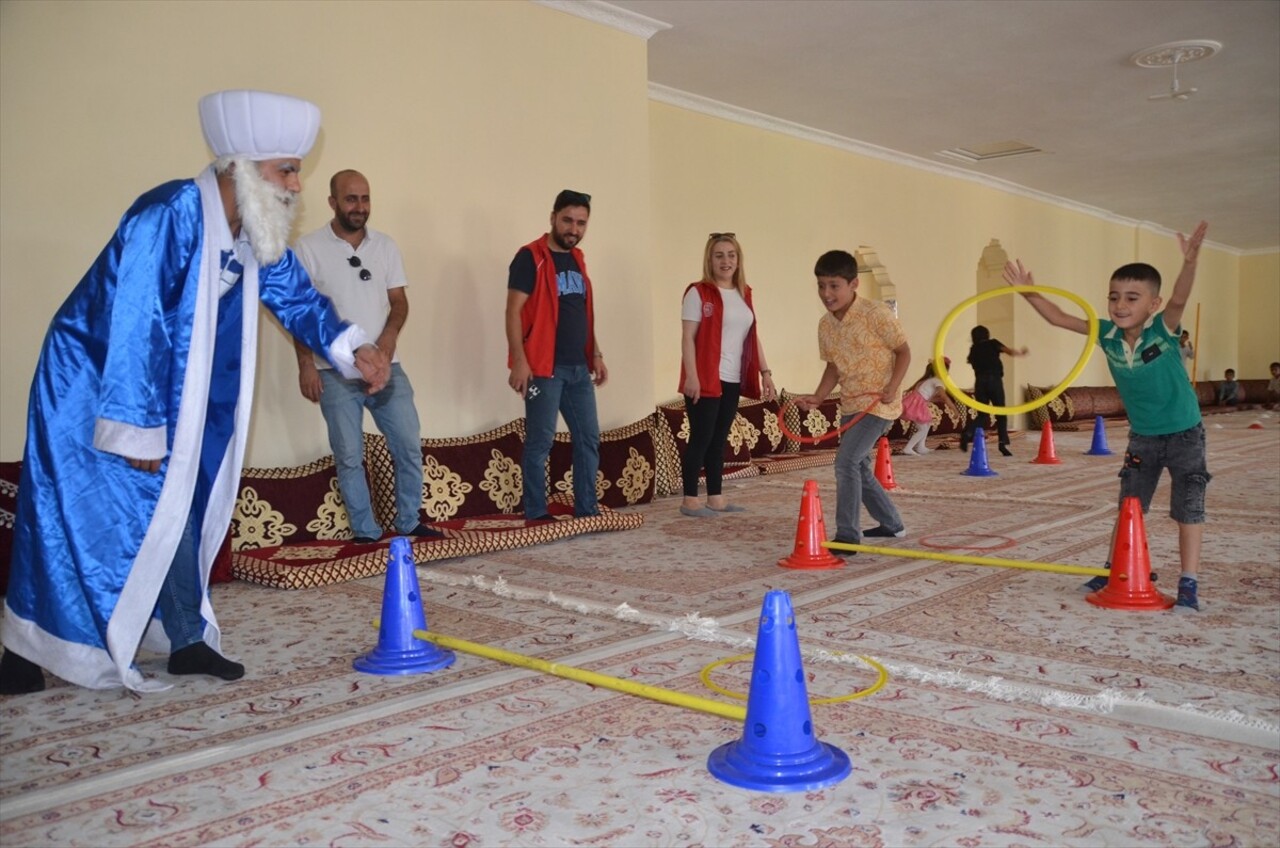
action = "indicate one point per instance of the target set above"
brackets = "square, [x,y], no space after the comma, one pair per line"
[361,271]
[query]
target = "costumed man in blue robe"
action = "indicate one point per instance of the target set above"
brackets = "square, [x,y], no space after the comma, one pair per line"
[139,410]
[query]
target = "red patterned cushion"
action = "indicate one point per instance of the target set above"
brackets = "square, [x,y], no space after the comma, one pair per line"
[628,465]
[757,427]
[288,505]
[463,477]
[812,424]
[1058,411]
[9,473]
[322,563]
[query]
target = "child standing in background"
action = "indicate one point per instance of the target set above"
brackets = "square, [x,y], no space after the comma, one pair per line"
[1165,429]
[915,407]
[988,382]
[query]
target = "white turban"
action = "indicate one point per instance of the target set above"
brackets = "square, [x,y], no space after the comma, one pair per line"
[258,125]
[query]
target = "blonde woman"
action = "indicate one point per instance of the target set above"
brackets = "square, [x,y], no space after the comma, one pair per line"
[721,359]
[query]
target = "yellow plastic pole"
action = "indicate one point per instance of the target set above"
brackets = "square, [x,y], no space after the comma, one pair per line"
[654,693]
[994,562]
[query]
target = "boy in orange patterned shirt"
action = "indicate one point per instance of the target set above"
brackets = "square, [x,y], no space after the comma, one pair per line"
[866,353]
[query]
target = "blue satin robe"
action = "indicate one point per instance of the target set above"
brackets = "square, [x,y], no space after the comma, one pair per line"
[117,351]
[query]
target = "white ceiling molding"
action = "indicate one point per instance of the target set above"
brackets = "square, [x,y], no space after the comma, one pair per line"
[717,109]
[632,23]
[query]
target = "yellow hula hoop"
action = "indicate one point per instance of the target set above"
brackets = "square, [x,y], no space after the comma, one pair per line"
[940,367]
[883,678]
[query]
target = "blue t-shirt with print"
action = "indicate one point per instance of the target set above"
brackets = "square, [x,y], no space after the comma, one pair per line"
[571,327]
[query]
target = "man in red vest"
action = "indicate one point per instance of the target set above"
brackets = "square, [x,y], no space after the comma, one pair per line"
[552,353]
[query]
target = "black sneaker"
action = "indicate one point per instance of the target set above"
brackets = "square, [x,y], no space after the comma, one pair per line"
[885,533]
[365,540]
[841,552]
[422,531]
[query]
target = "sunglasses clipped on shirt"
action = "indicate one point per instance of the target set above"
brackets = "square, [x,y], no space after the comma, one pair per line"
[365,273]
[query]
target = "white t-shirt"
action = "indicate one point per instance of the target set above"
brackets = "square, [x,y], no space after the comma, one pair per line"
[362,302]
[737,323]
[929,387]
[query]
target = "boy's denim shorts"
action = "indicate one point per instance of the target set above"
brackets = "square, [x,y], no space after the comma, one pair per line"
[1184,455]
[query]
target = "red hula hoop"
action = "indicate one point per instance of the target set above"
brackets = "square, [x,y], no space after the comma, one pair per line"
[813,440]
[1006,542]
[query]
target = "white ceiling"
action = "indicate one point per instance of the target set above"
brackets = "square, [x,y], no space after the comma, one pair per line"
[921,76]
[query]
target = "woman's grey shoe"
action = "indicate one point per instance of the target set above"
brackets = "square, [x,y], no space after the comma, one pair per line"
[700,512]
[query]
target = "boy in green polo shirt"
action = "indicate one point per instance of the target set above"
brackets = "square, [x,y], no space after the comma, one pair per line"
[1165,430]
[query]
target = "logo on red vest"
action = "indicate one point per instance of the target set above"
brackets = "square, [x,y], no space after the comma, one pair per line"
[708,310]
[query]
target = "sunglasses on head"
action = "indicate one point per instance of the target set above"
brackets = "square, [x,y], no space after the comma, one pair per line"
[354,262]
[715,236]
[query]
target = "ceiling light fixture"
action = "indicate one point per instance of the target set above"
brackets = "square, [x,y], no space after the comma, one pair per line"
[1175,53]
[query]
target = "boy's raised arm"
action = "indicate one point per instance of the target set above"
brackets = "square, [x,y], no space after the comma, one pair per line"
[1016,275]
[1182,286]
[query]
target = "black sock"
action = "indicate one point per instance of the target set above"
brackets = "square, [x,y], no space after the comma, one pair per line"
[19,675]
[199,658]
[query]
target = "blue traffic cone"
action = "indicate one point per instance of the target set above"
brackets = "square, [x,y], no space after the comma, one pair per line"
[398,652]
[978,466]
[778,751]
[1099,447]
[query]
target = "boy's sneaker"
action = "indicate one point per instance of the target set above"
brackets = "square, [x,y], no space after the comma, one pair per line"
[843,553]
[885,533]
[1097,584]
[1187,593]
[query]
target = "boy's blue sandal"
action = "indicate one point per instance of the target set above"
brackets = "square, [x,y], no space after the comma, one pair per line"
[1187,587]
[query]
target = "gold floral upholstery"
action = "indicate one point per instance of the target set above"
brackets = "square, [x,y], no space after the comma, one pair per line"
[472,475]
[279,506]
[628,472]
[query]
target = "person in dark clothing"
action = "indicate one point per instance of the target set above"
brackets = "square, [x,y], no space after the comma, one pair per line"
[988,382]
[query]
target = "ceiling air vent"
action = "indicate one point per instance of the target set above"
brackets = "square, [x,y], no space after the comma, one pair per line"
[985,152]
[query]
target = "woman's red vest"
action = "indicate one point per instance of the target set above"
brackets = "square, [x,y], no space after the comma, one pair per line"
[706,344]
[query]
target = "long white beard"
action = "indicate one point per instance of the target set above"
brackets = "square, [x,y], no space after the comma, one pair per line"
[266,211]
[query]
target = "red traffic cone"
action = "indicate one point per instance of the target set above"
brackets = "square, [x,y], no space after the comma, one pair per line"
[884,467]
[811,531]
[1047,456]
[1129,586]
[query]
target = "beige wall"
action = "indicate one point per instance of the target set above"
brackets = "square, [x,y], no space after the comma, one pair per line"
[1259,331]
[467,117]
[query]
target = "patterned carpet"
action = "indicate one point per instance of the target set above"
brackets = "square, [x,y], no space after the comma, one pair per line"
[1015,712]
